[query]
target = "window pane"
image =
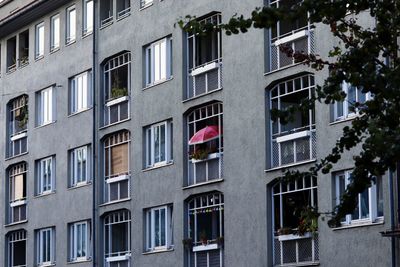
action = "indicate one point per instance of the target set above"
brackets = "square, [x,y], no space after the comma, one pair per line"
[364,204]
[379,198]
[351,98]
[162,227]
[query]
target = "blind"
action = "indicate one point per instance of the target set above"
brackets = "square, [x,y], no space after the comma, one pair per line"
[119,159]
[19,187]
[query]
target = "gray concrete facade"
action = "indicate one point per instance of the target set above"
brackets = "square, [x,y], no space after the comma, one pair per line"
[247,175]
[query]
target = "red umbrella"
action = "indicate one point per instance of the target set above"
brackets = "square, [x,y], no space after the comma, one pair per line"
[206,134]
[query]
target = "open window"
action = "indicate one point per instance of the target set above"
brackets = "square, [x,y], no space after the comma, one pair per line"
[106,12]
[205,144]
[295,222]
[17,126]
[12,54]
[205,230]
[16,248]
[123,8]
[204,57]
[17,193]
[294,141]
[117,85]
[117,239]
[117,167]
[23,49]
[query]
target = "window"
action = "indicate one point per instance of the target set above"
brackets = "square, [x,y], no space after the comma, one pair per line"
[79,241]
[294,244]
[106,12]
[54,32]
[79,166]
[45,108]
[23,53]
[296,34]
[71,25]
[159,61]
[345,109]
[80,92]
[18,125]
[204,55]
[369,203]
[88,17]
[39,40]
[117,238]
[206,230]
[159,144]
[294,141]
[116,88]
[205,144]
[12,54]
[45,175]
[123,8]
[16,249]
[45,240]
[17,193]
[117,167]
[159,228]
[145,3]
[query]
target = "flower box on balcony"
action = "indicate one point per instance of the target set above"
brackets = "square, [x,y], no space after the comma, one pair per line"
[293,237]
[118,258]
[117,101]
[209,157]
[205,247]
[292,37]
[205,68]
[293,136]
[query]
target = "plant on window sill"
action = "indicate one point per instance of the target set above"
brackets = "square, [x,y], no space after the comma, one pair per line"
[22,118]
[308,221]
[117,92]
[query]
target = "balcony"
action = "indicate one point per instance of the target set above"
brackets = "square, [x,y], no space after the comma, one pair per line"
[205,78]
[207,169]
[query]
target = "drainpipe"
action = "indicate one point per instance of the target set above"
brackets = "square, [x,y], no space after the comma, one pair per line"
[94,206]
[392,220]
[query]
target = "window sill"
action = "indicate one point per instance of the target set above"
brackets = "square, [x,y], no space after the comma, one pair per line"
[146,6]
[283,68]
[11,71]
[87,34]
[47,264]
[105,25]
[201,95]
[44,125]
[39,58]
[15,223]
[45,194]
[158,166]
[347,119]
[290,165]
[123,16]
[79,261]
[379,221]
[52,51]
[157,83]
[115,202]
[21,66]
[112,124]
[79,185]
[70,43]
[16,156]
[203,183]
[78,112]
[158,251]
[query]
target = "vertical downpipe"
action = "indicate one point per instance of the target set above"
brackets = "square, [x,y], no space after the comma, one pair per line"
[392,220]
[94,69]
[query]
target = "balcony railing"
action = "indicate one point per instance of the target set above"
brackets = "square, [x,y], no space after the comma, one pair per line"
[205,78]
[207,258]
[300,40]
[293,148]
[205,170]
[293,250]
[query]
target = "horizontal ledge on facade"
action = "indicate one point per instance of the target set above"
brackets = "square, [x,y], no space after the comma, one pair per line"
[146,6]
[16,156]
[201,95]
[87,34]
[151,252]
[290,165]
[347,119]
[19,136]
[379,221]
[70,42]
[158,166]
[46,124]
[119,258]
[206,68]
[299,264]
[79,112]
[45,194]
[203,183]
[15,223]
[157,83]
[205,247]
[118,178]
[127,14]
[52,51]
[292,37]
[115,202]
[80,261]
[117,101]
[105,25]
[79,185]
[293,136]
[113,124]
[18,203]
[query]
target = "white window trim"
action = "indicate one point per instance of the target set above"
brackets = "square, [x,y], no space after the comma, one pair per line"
[372,201]
[87,24]
[150,228]
[74,241]
[54,37]
[118,217]
[14,237]
[80,92]
[39,40]
[74,166]
[40,175]
[164,63]
[145,3]
[46,106]
[40,260]
[70,33]
[150,155]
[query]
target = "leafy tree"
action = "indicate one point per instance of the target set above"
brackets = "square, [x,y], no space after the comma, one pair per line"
[364,57]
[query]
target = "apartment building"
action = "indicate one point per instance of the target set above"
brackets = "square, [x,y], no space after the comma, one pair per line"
[129,142]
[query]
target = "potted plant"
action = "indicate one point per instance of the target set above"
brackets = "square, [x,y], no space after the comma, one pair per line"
[203,237]
[187,243]
[117,92]
[199,154]
[23,115]
[285,231]
[308,221]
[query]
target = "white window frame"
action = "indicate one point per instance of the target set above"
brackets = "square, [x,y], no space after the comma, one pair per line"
[76,172]
[79,239]
[80,92]
[346,105]
[45,237]
[151,228]
[45,180]
[88,17]
[159,61]
[151,133]
[145,3]
[70,33]
[14,237]
[45,106]
[39,40]
[54,32]
[17,205]
[118,217]
[372,200]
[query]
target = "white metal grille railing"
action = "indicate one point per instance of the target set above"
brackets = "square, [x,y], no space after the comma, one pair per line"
[206,81]
[301,251]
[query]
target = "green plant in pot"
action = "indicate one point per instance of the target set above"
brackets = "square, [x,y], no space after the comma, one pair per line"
[203,237]
[199,154]
[23,116]
[118,90]
[308,221]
